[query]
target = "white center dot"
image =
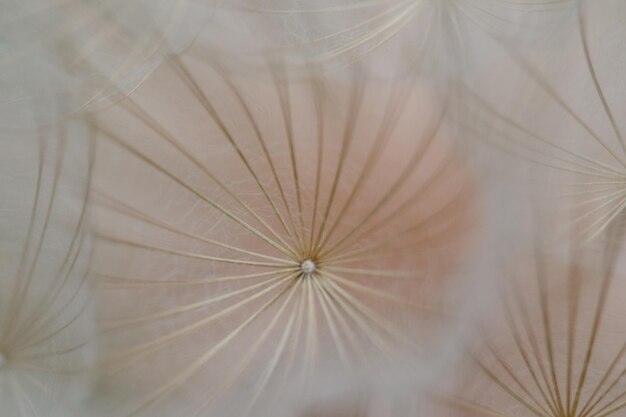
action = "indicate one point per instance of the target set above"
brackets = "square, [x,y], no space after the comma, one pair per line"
[308,267]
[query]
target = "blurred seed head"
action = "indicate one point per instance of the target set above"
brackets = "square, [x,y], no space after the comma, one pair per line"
[553,343]
[558,109]
[46,320]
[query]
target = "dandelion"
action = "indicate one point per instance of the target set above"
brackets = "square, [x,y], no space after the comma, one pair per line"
[256,230]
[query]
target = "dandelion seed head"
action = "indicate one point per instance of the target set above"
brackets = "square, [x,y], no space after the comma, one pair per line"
[298,221]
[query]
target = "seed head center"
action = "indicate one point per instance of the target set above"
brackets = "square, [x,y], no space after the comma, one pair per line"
[308,267]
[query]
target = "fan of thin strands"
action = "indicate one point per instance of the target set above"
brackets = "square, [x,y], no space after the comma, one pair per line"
[551,345]
[424,35]
[574,132]
[256,230]
[78,50]
[46,320]
[554,345]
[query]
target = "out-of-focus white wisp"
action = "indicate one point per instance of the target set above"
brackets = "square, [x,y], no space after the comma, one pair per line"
[69,55]
[441,38]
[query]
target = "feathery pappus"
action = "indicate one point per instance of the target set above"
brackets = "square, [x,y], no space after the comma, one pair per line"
[255,230]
